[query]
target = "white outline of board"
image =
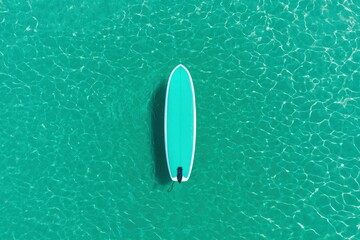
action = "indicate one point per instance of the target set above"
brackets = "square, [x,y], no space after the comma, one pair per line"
[184,179]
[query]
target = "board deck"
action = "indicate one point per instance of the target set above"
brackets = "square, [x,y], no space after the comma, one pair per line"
[180,122]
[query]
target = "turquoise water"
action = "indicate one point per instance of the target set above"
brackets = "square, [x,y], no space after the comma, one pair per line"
[278,106]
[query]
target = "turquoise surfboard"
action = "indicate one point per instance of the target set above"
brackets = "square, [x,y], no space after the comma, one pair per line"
[180,123]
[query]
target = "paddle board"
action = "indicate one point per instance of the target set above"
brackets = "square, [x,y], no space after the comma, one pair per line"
[180,124]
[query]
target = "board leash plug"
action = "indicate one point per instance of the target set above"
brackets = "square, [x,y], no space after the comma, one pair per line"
[179,174]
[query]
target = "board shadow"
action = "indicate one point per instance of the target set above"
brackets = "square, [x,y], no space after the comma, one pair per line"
[157,128]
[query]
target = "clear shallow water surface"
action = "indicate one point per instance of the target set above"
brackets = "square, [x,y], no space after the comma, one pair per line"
[82,87]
